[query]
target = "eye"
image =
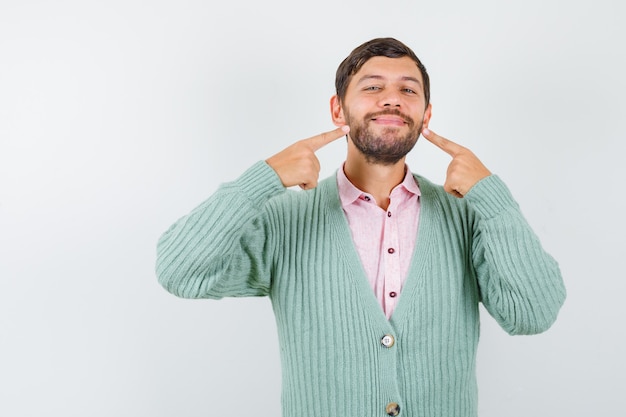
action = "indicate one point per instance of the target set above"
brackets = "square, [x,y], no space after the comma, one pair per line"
[372,88]
[409,90]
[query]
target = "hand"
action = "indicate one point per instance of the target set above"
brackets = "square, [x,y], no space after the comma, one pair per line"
[298,165]
[464,171]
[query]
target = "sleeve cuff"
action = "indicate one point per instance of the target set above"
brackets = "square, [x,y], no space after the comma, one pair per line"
[490,196]
[259,183]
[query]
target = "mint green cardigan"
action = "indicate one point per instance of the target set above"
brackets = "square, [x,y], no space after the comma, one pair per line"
[253,237]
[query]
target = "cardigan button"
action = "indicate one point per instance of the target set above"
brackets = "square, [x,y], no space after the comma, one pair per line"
[392,409]
[387,341]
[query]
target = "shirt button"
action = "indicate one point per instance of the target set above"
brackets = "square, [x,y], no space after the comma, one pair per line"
[392,294]
[391,250]
[388,214]
[392,409]
[387,341]
[366,198]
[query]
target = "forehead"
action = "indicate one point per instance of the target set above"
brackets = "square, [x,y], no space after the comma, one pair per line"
[388,69]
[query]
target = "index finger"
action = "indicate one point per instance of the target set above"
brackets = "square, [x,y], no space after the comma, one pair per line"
[442,143]
[318,141]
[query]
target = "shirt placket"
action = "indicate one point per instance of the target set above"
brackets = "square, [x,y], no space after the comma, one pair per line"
[391,253]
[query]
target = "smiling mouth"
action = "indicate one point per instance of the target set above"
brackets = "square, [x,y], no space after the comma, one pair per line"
[389,120]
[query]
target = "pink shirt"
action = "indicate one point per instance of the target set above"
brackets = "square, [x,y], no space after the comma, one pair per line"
[383,239]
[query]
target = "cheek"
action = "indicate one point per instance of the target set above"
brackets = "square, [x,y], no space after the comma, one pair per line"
[420,116]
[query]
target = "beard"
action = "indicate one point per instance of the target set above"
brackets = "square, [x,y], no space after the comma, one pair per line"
[386,147]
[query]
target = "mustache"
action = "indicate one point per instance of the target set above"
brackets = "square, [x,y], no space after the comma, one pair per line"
[392,112]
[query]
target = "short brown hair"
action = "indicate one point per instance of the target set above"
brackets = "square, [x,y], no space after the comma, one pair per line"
[387,47]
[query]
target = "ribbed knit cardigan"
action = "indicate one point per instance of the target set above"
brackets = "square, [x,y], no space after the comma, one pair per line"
[253,237]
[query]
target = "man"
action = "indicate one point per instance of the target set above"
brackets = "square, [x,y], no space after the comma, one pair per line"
[375,274]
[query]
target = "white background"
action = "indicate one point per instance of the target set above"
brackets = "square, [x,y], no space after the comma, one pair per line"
[118,117]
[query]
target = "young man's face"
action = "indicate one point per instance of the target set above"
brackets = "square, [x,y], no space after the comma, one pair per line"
[385,108]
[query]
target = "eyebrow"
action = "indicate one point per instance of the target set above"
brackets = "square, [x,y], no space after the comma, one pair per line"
[380,77]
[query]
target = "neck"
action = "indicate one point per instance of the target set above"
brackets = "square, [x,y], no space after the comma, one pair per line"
[372,178]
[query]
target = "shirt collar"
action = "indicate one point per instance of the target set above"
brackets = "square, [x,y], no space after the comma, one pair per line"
[348,193]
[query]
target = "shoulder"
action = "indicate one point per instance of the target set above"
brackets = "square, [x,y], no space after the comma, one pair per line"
[432,191]
[294,199]
[444,206]
[488,198]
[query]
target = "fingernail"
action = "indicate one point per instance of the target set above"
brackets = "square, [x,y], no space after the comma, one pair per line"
[345,128]
[425,131]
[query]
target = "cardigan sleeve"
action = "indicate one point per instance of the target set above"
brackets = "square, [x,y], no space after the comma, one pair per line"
[223,247]
[520,283]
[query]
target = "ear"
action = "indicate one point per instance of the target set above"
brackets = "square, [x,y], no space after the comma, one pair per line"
[427,115]
[336,111]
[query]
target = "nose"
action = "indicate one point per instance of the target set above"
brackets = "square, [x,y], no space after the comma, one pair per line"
[390,99]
